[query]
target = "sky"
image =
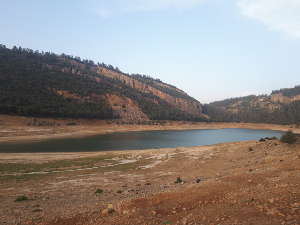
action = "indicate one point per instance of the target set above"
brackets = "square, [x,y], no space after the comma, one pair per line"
[212,49]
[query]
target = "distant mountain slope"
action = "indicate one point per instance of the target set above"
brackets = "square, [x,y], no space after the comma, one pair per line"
[46,84]
[281,106]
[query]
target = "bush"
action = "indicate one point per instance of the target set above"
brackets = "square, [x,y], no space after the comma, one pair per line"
[289,137]
[271,138]
[178,180]
[99,191]
[71,124]
[21,198]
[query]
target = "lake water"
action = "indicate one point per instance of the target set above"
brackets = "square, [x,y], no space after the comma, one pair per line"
[139,140]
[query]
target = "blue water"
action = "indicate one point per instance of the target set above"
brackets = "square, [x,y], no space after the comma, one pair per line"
[139,140]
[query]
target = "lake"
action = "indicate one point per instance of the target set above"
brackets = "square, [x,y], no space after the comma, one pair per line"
[139,140]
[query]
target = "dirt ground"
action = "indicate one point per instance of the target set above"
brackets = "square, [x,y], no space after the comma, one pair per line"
[250,182]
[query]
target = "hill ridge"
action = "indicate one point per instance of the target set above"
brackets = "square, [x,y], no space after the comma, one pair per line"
[65,86]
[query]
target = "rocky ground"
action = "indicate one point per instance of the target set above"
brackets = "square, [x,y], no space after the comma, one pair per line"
[235,183]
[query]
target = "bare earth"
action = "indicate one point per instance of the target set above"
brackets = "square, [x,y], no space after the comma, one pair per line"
[234,183]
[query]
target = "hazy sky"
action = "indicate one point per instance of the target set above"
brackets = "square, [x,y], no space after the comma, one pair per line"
[212,49]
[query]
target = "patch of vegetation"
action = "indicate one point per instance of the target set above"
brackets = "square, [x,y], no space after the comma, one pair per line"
[21,198]
[289,92]
[167,222]
[248,109]
[64,165]
[71,124]
[23,171]
[52,165]
[289,137]
[271,138]
[99,191]
[178,180]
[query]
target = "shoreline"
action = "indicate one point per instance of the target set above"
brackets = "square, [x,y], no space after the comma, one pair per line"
[20,134]
[41,157]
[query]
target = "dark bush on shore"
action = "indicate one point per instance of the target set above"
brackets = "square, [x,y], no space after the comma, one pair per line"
[99,191]
[271,138]
[289,137]
[178,180]
[21,198]
[267,139]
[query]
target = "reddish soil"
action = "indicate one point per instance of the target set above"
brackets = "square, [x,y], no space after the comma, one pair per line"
[246,183]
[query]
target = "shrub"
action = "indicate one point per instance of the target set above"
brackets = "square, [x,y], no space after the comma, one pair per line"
[289,137]
[99,191]
[71,124]
[178,180]
[271,138]
[21,198]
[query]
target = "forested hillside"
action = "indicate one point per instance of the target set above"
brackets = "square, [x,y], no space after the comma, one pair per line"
[45,84]
[280,107]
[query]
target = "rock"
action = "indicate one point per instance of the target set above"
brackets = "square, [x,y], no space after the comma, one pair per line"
[106,212]
[37,210]
[154,213]
[184,221]
[110,206]
[271,200]
[289,217]
[273,212]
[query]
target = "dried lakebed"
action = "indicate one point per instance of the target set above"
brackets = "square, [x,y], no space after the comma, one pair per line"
[262,178]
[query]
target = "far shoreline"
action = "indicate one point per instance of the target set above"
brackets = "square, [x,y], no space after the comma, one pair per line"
[18,132]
